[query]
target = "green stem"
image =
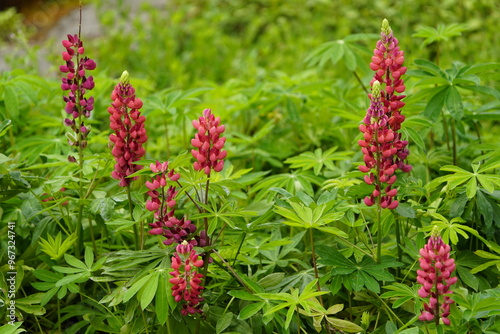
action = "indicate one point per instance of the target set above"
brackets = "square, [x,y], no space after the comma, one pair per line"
[191,198]
[235,274]
[409,323]
[243,236]
[398,243]
[388,309]
[348,243]
[454,141]
[92,237]
[360,82]
[131,210]
[379,230]
[445,129]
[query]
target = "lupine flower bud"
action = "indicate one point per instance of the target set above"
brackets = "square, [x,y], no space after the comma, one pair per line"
[208,143]
[186,280]
[436,267]
[383,150]
[130,133]
[77,83]
[162,202]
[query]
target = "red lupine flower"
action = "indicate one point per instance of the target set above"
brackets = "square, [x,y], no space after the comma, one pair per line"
[435,276]
[209,144]
[186,280]
[130,133]
[384,151]
[77,83]
[162,202]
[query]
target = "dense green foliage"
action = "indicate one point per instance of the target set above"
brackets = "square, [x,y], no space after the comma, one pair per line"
[295,247]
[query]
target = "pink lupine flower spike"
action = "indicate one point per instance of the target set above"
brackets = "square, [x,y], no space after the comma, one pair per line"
[77,83]
[208,143]
[384,152]
[130,133]
[186,280]
[436,268]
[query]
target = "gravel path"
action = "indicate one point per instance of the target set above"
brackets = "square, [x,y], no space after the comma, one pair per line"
[91,28]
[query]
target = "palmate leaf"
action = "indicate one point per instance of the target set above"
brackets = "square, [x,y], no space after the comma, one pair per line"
[441,33]
[317,159]
[366,273]
[402,293]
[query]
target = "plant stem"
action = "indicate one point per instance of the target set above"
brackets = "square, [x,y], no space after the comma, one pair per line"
[398,243]
[379,230]
[131,210]
[235,274]
[191,198]
[445,129]
[346,242]
[360,82]
[454,141]
[389,310]
[92,237]
[239,247]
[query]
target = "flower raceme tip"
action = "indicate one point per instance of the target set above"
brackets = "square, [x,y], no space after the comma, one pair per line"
[208,143]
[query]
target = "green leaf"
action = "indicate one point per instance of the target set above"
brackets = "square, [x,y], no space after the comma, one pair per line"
[71,278]
[244,295]
[250,310]
[11,103]
[68,270]
[73,261]
[344,325]
[405,210]
[149,290]
[223,322]
[135,288]
[436,103]
[454,103]
[415,137]
[271,280]
[104,207]
[467,277]
[349,58]
[46,275]
[471,188]
[89,257]
[332,257]
[161,301]
[289,317]
[9,329]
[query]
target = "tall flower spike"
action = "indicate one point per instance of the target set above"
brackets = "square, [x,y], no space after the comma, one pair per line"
[130,133]
[436,267]
[208,143]
[77,83]
[186,280]
[384,151]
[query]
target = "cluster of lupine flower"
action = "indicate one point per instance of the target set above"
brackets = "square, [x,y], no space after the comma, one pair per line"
[186,280]
[130,133]
[77,83]
[209,144]
[435,276]
[383,149]
[162,202]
